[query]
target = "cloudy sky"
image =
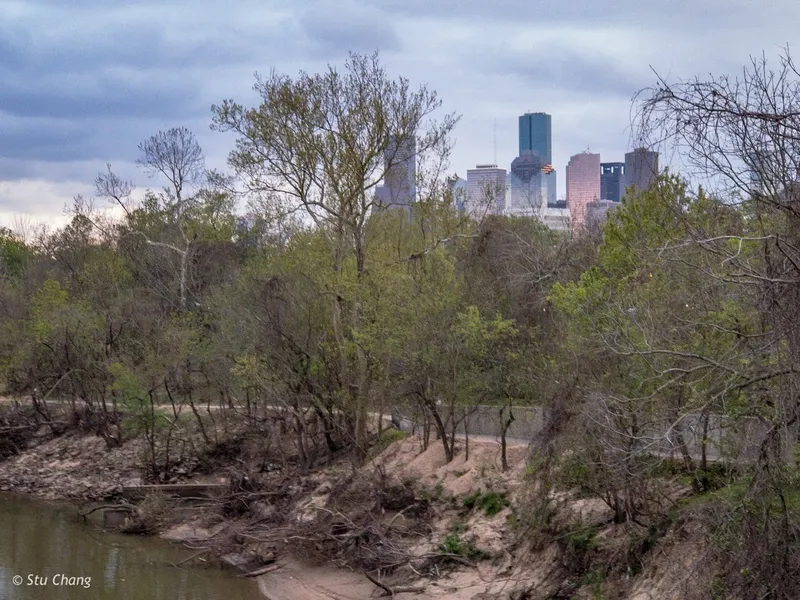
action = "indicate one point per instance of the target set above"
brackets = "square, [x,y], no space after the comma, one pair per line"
[82,82]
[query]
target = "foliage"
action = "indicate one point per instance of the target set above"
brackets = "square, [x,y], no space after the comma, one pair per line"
[660,351]
[489,502]
[453,543]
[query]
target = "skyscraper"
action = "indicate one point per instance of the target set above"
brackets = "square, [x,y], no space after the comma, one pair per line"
[536,133]
[583,184]
[641,167]
[458,188]
[528,186]
[764,171]
[612,181]
[399,187]
[486,191]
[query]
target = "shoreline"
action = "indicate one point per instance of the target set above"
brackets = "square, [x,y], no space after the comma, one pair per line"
[75,469]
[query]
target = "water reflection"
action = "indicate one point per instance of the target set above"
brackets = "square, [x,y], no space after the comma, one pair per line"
[39,540]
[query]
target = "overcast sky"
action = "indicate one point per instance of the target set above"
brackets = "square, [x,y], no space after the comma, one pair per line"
[82,82]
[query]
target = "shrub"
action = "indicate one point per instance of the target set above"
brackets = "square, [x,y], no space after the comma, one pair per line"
[490,502]
[454,544]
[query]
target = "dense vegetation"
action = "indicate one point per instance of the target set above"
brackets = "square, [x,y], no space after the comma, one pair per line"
[662,348]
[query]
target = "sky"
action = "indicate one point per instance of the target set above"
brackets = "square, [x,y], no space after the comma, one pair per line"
[83,82]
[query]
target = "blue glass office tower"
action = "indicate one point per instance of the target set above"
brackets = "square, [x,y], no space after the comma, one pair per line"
[612,181]
[536,133]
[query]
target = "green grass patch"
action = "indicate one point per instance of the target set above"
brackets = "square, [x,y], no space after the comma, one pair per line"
[489,502]
[386,439]
[455,544]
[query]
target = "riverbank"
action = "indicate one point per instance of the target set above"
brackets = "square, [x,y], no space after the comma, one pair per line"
[409,518]
[55,555]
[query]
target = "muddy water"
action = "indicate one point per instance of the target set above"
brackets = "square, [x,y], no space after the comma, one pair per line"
[59,558]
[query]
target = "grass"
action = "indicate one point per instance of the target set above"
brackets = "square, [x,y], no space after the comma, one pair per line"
[490,502]
[386,439]
[455,544]
[435,494]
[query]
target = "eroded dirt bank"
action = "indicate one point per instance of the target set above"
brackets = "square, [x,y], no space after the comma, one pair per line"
[408,518]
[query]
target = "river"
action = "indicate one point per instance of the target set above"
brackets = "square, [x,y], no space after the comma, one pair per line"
[59,558]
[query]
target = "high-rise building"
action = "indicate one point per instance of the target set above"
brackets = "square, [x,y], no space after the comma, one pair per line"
[527,185]
[583,184]
[612,181]
[458,187]
[597,212]
[486,191]
[764,171]
[536,133]
[641,167]
[399,187]
[557,217]
[550,182]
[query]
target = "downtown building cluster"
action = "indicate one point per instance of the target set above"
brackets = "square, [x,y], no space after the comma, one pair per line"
[528,188]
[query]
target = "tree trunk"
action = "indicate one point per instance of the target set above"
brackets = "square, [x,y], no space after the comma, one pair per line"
[504,425]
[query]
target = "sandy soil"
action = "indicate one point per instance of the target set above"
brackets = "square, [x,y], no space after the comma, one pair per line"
[405,460]
[295,581]
[80,468]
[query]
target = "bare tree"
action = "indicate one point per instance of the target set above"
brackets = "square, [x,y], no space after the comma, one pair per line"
[176,155]
[741,135]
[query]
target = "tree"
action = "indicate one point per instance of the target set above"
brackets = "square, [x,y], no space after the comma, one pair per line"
[176,155]
[741,134]
[319,144]
[13,254]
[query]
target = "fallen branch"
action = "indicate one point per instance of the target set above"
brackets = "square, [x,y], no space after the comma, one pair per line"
[394,518]
[192,557]
[449,555]
[17,428]
[262,571]
[126,506]
[390,591]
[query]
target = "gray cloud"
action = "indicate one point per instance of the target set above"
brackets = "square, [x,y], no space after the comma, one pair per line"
[99,95]
[570,71]
[84,81]
[689,15]
[347,26]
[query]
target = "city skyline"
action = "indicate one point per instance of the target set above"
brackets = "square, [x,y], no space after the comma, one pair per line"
[535,137]
[74,98]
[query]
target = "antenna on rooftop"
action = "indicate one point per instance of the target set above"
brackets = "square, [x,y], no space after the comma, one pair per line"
[494,132]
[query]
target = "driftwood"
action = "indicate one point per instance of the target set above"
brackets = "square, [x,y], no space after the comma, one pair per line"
[17,428]
[262,571]
[123,505]
[391,591]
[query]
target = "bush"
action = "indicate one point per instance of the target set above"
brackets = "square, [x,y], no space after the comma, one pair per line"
[490,502]
[454,544]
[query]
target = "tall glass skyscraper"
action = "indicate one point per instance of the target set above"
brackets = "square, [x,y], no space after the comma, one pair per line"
[536,133]
[399,187]
[612,181]
[528,188]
